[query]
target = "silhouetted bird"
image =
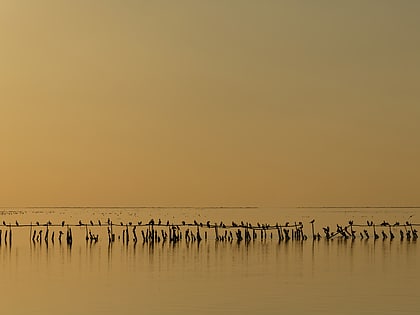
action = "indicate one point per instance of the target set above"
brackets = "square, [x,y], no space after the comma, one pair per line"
[62,223]
[312,221]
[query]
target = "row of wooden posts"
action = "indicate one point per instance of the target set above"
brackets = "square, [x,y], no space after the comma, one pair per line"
[152,232]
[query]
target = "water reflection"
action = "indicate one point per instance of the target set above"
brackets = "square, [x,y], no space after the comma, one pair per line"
[263,275]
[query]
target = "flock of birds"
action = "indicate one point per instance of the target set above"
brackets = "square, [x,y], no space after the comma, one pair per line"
[348,231]
[157,231]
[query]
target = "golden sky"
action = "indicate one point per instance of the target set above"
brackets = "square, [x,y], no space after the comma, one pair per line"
[209,102]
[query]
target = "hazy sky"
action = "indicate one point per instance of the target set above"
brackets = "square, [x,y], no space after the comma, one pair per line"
[209,102]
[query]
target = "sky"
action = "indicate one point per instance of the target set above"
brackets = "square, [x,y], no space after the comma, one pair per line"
[208,103]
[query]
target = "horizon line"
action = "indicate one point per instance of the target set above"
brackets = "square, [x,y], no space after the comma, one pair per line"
[132,207]
[359,207]
[217,207]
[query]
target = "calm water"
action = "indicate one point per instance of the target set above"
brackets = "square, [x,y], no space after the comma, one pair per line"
[263,277]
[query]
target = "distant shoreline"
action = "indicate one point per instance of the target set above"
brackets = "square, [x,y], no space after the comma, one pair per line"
[212,207]
[358,207]
[135,207]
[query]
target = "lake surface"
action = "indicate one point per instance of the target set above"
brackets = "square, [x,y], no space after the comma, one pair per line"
[338,276]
